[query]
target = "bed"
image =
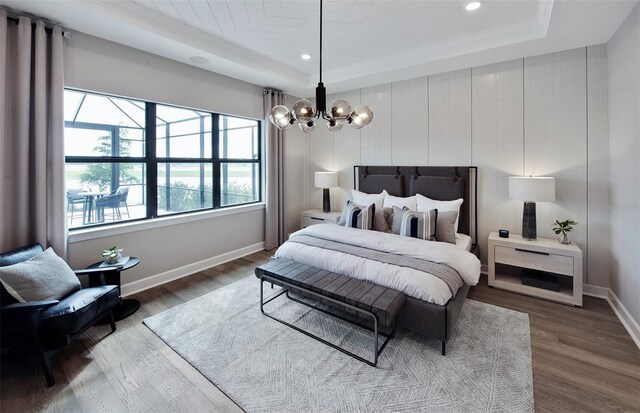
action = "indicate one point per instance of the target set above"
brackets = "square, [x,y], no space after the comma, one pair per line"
[432,307]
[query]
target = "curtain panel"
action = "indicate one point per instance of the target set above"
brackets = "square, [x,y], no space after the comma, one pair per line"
[274,231]
[32,194]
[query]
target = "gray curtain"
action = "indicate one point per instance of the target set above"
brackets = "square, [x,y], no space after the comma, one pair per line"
[274,231]
[32,194]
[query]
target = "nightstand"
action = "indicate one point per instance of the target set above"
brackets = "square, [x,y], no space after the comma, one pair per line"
[316,216]
[513,259]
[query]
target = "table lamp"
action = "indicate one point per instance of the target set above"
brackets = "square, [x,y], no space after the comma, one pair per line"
[326,180]
[531,190]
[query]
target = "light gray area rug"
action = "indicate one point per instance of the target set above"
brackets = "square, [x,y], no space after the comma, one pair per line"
[265,366]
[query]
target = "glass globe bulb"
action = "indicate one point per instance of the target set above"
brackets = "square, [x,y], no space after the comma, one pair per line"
[361,116]
[340,109]
[307,127]
[281,117]
[304,111]
[335,125]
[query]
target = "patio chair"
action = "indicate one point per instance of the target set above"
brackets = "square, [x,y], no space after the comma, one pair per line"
[113,201]
[74,199]
[124,190]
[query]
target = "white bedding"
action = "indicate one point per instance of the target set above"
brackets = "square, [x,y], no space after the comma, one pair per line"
[464,241]
[417,284]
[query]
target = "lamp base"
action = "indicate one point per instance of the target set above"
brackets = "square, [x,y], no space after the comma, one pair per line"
[529,225]
[326,200]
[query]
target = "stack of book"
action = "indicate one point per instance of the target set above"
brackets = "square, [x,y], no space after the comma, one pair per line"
[122,261]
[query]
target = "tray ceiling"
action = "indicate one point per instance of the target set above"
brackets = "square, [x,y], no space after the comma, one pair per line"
[365,42]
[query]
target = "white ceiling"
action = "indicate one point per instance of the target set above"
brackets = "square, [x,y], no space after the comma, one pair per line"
[365,42]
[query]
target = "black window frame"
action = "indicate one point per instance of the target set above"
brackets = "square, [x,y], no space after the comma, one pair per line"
[150,160]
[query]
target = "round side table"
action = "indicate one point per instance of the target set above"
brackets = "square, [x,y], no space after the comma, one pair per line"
[127,306]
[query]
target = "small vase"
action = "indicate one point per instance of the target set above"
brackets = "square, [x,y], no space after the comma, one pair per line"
[564,239]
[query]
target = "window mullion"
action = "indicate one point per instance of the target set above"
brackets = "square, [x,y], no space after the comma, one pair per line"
[151,160]
[215,150]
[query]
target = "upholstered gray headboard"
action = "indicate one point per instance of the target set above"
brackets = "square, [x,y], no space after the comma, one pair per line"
[443,183]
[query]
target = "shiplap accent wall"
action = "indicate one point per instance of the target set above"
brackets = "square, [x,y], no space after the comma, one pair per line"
[543,115]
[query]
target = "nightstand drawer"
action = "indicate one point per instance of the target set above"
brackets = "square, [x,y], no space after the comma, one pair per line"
[317,216]
[521,257]
[307,220]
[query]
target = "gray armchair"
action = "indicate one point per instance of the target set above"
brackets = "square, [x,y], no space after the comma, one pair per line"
[48,326]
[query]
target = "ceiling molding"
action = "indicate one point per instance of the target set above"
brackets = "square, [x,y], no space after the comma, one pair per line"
[215,46]
[366,42]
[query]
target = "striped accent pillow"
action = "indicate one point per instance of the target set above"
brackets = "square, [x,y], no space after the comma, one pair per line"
[356,216]
[420,225]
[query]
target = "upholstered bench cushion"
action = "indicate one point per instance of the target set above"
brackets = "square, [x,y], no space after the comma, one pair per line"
[80,308]
[383,302]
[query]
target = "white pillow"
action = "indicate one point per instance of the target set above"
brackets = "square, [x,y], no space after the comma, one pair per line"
[427,204]
[391,201]
[362,198]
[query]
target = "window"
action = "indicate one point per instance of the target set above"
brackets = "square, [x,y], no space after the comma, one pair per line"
[120,166]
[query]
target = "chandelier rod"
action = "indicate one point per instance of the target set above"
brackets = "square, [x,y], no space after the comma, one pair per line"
[320,41]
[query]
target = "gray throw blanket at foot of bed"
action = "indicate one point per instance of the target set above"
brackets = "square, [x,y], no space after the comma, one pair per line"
[439,270]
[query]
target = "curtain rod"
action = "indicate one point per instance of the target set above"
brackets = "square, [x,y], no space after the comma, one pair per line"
[46,29]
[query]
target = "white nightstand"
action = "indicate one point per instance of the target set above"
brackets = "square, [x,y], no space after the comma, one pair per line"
[512,255]
[316,216]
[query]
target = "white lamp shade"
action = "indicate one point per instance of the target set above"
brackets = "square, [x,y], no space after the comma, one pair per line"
[326,179]
[529,188]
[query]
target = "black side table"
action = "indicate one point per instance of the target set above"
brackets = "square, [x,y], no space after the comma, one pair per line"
[127,306]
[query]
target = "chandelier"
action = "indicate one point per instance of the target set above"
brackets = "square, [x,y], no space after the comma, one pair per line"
[303,111]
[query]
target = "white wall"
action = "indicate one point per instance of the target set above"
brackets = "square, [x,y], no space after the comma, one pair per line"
[526,116]
[624,161]
[102,66]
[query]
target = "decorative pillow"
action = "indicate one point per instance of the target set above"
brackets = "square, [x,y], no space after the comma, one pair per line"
[43,277]
[445,226]
[420,225]
[355,216]
[361,198]
[388,218]
[396,219]
[427,204]
[396,201]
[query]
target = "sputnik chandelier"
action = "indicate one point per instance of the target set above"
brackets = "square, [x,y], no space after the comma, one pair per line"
[306,115]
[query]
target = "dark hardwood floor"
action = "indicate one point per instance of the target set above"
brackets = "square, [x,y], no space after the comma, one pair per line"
[583,358]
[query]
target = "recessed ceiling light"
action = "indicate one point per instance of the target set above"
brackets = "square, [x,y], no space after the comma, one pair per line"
[473,5]
[199,60]
[305,56]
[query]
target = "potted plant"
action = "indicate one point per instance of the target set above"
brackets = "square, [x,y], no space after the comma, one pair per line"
[112,255]
[564,227]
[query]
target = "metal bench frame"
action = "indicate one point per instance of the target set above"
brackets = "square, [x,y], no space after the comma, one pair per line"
[369,314]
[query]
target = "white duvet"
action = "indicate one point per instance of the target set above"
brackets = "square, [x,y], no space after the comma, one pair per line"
[417,284]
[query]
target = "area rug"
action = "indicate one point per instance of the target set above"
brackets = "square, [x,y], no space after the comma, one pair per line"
[265,366]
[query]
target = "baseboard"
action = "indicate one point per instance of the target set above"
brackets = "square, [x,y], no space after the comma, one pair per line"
[625,317]
[616,305]
[618,308]
[595,291]
[176,273]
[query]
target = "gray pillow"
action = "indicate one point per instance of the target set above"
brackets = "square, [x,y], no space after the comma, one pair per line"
[446,226]
[43,277]
[396,219]
[388,218]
